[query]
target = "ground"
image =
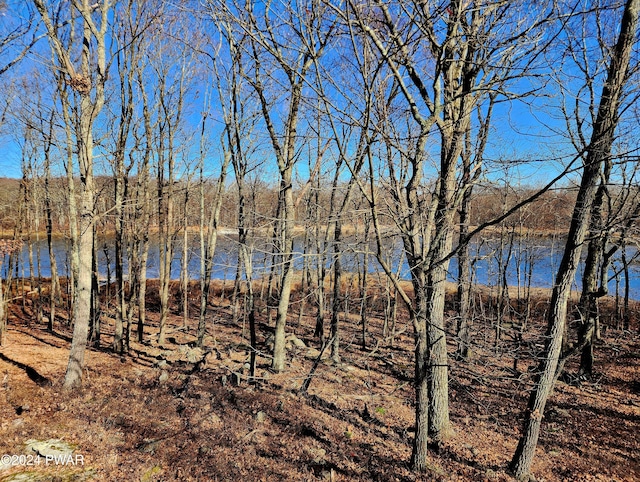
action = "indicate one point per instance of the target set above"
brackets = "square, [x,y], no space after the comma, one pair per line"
[178,413]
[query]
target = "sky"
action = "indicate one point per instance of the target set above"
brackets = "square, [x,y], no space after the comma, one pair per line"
[529,131]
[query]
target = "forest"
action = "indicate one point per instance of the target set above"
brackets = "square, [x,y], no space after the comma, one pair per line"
[319,240]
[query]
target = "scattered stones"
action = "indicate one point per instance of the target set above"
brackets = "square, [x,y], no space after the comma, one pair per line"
[161,364]
[192,355]
[291,341]
[212,420]
[559,412]
[149,446]
[50,448]
[491,474]
[295,341]
[312,353]
[317,455]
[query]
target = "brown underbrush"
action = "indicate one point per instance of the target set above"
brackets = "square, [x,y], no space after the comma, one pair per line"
[174,412]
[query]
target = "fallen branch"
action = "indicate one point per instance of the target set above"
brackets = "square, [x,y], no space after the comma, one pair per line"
[305,385]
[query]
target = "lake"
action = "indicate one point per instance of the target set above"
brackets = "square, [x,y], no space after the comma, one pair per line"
[538,259]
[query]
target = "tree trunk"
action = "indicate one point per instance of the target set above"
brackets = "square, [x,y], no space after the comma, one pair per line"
[599,150]
[184,260]
[337,295]
[208,244]
[439,425]
[279,351]
[55,292]
[464,266]
[121,305]
[83,298]
[85,82]
[3,317]
[165,245]
[421,381]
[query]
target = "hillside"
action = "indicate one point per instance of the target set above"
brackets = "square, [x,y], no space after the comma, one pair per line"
[177,413]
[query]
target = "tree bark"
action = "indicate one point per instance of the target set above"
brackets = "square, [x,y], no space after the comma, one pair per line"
[599,151]
[84,83]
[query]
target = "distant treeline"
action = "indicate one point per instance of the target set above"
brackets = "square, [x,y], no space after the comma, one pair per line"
[548,214]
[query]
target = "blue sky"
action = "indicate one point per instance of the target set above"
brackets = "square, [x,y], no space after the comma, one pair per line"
[523,130]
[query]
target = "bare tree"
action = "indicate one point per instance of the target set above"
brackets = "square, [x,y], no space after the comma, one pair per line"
[7,247]
[444,61]
[580,109]
[140,215]
[239,114]
[88,82]
[472,158]
[128,59]
[284,42]
[174,71]
[228,95]
[599,150]
[18,33]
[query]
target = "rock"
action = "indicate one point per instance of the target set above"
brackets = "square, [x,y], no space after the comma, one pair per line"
[491,474]
[51,447]
[195,355]
[204,450]
[149,446]
[295,341]
[261,416]
[317,455]
[559,412]
[192,355]
[37,477]
[211,421]
[269,342]
[290,340]
[312,353]
[164,376]
[161,363]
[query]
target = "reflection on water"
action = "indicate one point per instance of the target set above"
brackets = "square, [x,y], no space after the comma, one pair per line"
[533,262]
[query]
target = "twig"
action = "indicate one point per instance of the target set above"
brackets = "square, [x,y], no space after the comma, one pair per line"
[305,385]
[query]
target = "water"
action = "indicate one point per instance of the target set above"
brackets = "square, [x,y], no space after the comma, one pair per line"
[537,260]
